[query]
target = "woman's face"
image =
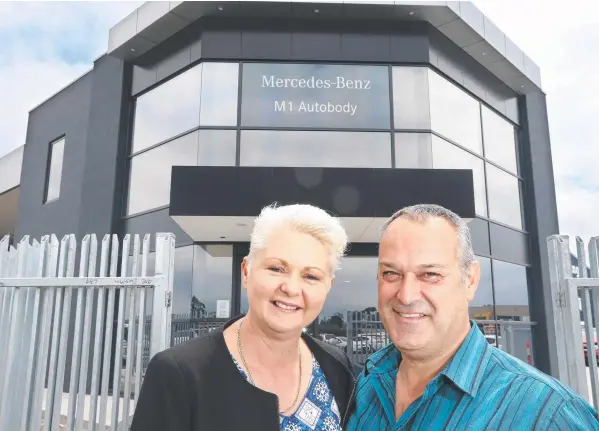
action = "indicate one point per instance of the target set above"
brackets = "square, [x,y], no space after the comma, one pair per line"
[288,281]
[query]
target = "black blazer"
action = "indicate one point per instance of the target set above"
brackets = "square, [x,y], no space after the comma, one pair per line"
[195,386]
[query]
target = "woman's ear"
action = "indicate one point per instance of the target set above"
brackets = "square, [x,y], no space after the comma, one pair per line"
[245,271]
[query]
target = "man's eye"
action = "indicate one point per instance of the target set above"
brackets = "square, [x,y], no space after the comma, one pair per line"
[432,275]
[390,274]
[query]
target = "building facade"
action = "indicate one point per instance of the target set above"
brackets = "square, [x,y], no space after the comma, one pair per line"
[201,113]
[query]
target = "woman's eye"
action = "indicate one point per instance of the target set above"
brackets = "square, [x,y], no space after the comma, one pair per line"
[313,277]
[275,269]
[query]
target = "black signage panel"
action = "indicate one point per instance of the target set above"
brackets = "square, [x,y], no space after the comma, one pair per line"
[315,96]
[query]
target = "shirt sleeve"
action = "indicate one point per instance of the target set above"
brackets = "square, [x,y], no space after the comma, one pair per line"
[575,414]
[163,402]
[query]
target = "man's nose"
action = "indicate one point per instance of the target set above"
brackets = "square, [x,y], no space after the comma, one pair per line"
[409,290]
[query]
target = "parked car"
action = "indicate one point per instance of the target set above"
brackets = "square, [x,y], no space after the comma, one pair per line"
[585,348]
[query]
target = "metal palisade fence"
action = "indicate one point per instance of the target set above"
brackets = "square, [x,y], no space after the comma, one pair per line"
[576,310]
[73,348]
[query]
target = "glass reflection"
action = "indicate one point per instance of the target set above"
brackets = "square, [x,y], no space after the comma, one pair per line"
[500,140]
[411,108]
[219,94]
[481,308]
[413,150]
[448,156]
[504,197]
[150,183]
[454,114]
[511,291]
[54,178]
[168,110]
[315,95]
[217,148]
[315,149]
[212,276]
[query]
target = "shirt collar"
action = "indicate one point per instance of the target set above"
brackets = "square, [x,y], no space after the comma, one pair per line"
[465,369]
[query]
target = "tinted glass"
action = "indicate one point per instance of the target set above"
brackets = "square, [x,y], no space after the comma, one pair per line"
[217,148]
[454,114]
[511,291]
[500,140]
[220,83]
[410,98]
[448,156]
[315,149]
[212,277]
[313,95]
[355,289]
[183,280]
[504,197]
[413,150]
[481,308]
[54,175]
[150,183]
[168,110]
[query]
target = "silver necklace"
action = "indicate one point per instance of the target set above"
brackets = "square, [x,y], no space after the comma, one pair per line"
[245,365]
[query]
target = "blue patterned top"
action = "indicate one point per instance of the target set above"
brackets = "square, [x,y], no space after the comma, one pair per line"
[318,410]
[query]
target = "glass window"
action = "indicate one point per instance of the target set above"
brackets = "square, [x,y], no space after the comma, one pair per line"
[410,98]
[150,184]
[448,156]
[511,291]
[220,83]
[454,114]
[413,150]
[168,110]
[217,148]
[212,277]
[355,289]
[315,95]
[54,174]
[500,140]
[182,280]
[482,307]
[504,197]
[315,149]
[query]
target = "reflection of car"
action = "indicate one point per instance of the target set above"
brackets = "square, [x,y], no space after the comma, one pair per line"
[584,346]
[340,342]
[361,344]
[327,338]
[494,340]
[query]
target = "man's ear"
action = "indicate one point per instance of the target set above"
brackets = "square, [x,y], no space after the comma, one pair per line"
[472,280]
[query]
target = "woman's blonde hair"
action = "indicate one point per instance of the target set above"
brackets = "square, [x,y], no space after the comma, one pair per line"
[302,218]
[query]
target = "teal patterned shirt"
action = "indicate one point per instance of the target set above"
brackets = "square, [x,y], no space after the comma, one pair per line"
[481,388]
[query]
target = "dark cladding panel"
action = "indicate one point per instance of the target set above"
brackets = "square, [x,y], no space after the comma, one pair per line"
[347,192]
[266,45]
[409,48]
[479,230]
[366,47]
[508,244]
[316,46]
[219,44]
[153,223]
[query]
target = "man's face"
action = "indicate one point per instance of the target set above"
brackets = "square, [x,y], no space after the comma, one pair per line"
[422,299]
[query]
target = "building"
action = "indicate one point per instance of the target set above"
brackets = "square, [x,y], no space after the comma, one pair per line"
[200,113]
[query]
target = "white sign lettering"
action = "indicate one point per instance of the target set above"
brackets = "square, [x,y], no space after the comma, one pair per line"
[340,83]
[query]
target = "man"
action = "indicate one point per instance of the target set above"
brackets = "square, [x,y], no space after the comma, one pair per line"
[439,372]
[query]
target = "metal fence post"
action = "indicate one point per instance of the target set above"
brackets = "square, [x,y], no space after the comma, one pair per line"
[161,322]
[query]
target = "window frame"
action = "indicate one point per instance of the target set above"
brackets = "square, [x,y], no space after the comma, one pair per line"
[50,158]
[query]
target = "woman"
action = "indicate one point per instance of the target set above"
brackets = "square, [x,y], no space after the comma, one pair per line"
[261,372]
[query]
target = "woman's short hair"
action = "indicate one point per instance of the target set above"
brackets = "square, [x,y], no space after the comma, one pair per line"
[302,218]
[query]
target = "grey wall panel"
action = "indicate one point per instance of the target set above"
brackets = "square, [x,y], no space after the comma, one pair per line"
[410,47]
[154,222]
[106,143]
[509,245]
[64,114]
[264,45]
[479,230]
[219,44]
[542,220]
[318,46]
[366,47]
[173,63]
[143,77]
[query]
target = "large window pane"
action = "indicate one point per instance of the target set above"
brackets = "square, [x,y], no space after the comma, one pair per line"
[182,280]
[413,150]
[454,114]
[511,291]
[315,95]
[150,182]
[500,141]
[212,277]
[219,94]
[217,148]
[481,308]
[504,197]
[168,110]
[54,175]
[410,98]
[448,156]
[315,149]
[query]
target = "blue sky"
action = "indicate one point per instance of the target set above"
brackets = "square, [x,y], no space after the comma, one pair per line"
[47,45]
